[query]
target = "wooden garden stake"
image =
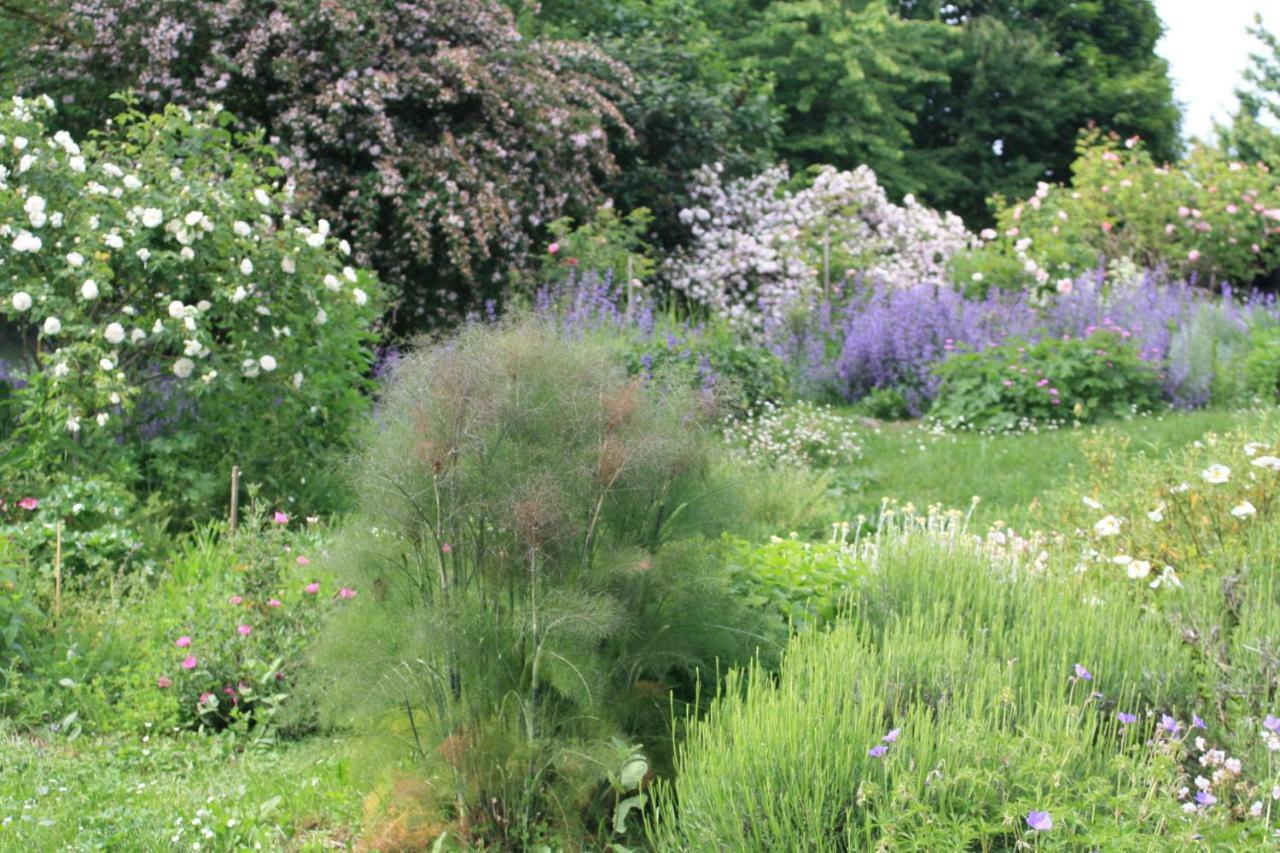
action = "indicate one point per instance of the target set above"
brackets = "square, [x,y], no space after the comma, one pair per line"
[235,496]
[57,570]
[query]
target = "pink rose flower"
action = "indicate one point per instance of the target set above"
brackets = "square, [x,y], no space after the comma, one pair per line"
[312,588]
[445,548]
[1193,255]
[182,642]
[164,681]
[553,248]
[189,662]
[28,503]
[244,630]
[235,599]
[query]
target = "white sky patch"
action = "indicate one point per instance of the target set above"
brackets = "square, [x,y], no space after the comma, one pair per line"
[1208,47]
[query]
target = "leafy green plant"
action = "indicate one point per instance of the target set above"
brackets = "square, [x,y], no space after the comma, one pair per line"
[1009,386]
[531,583]
[1261,363]
[607,242]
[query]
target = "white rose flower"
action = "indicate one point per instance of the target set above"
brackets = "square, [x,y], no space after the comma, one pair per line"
[187,253]
[182,368]
[315,240]
[332,283]
[37,220]
[209,377]
[19,143]
[190,347]
[60,369]
[106,364]
[137,335]
[131,182]
[114,333]
[359,296]
[349,274]
[114,241]
[321,317]
[21,300]
[152,217]
[249,367]
[27,242]
[239,294]
[177,310]
[52,325]
[241,228]
[33,204]
[287,264]
[102,418]
[144,254]
[89,290]
[193,218]
[157,327]
[268,363]
[344,247]
[246,267]
[203,305]
[75,259]
[189,323]
[73,424]
[262,198]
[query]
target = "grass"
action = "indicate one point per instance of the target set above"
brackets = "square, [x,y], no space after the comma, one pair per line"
[1013,474]
[170,790]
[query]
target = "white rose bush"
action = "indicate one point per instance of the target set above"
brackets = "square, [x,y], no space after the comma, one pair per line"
[171,313]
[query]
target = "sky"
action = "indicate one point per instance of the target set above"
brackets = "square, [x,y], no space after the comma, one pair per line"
[1207,48]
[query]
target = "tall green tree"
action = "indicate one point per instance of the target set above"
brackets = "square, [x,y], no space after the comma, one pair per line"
[1254,132]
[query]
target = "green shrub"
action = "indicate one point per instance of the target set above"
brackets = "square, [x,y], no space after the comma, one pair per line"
[1262,362]
[967,689]
[172,317]
[1016,384]
[531,583]
[743,374]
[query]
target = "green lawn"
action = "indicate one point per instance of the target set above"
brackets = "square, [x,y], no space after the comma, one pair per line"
[1012,474]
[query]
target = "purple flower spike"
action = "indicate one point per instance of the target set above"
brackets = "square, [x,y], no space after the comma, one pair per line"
[1127,719]
[892,736]
[1197,722]
[1083,673]
[1169,724]
[877,750]
[1039,821]
[1204,798]
[1271,723]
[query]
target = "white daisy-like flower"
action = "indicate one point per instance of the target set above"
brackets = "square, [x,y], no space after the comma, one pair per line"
[1107,526]
[182,368]
[52,325]
[1244,509]
[152,217]
[1271,463]
[1216,474]
[1252,448]
[21,300]
[1138,569]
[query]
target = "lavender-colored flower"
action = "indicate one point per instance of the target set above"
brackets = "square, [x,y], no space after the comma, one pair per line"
[1197,722]
[1271,723]
[892,736]
[877,750]
[1083,674]
[1127,719]
[1039,821]
[1204,798]
[1170,725]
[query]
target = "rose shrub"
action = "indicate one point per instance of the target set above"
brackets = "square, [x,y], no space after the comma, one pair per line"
[171,318]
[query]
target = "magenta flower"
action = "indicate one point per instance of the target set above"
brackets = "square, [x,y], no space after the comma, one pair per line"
[164,681]
[346,592]
[206,698]
[877,750]
[182,642]
[303,560]
[28,503]
[280,518]
[273,603]
[189,662]
[1039,821]
[445,548]
[1127,719]
[235,599]
[1083,674]
[312,588]
[553,248]
[244,630]
[892,736]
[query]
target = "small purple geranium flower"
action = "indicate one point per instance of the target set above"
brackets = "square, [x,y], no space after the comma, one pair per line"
[1271,723]
[1127,719]
[1204,798]
[1169,724]
[892,736]
[1197,722]
[877,750]
[1083,673]
[1039,821]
